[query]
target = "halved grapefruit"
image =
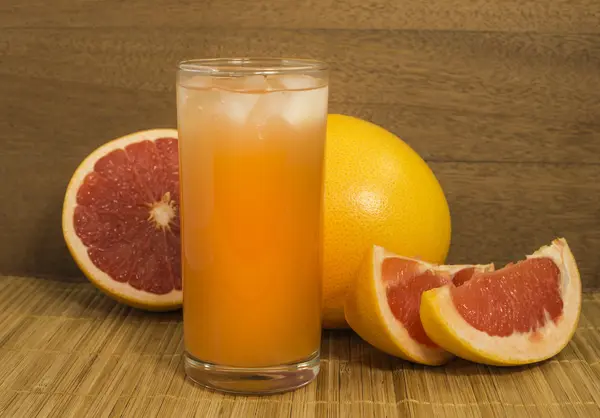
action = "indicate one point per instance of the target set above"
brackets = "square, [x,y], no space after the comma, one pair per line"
[521,314]
[121,219]
[382,305]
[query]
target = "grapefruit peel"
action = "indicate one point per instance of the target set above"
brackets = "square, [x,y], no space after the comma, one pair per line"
[448,329]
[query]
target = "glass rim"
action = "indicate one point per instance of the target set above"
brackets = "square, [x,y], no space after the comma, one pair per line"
[230,67]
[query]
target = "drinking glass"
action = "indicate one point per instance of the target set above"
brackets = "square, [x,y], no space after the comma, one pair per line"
[251,145]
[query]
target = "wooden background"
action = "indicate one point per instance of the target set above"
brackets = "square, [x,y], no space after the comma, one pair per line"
[502,98]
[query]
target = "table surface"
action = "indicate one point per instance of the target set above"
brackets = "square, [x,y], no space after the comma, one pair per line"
[66,350]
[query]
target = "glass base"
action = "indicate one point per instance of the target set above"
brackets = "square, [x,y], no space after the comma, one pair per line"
[252,381]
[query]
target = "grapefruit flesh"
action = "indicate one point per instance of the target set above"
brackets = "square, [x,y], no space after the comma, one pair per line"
[521,314]
[528,290]
[121,219]
[382,305]
[377,190]
[405,281]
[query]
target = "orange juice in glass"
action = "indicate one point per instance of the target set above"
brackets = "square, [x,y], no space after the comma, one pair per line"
[251,138]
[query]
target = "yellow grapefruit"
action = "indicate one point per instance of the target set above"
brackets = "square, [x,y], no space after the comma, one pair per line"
[521,314]
[383,301]
[121,223]
[377,190]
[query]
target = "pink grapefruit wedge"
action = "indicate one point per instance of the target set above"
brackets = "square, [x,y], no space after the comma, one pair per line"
[121,219]
[520,314]
[382,305]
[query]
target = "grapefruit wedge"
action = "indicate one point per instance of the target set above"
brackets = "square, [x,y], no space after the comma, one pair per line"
[521,314]
[121,220]
[382,305]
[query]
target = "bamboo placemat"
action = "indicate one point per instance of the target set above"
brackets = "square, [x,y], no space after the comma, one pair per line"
[68,351]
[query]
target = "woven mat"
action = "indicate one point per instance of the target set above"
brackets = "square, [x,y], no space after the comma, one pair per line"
[68,351]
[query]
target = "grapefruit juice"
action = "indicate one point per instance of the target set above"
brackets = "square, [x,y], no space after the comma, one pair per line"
[251,167]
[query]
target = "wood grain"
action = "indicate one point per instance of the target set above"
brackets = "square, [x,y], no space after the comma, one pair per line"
[481,15]
[501,210]
[453,96]
[544,77]
[501,98]
[66,350]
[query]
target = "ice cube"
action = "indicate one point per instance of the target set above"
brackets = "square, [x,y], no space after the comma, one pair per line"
[205,100]
[194,92]
[304,106]
[182,96]
[196,107]
[255,83]
[294,82]
[267,106]
[237,106]
[229,83]
[196,82]
[274,83]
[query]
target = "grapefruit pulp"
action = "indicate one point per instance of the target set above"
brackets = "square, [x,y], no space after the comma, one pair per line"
[121,219]
[520,314]
[382,305]
[377,190]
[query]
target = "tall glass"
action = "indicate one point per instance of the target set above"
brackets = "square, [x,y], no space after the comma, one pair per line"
[251,138]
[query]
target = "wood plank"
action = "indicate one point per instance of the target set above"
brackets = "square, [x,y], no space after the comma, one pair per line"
[508,15]
[477,106]
[534,97]
[439,134]
[436,134]
[50,127]
[501,210]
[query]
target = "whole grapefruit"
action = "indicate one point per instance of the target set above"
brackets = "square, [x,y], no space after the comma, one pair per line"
[378,191]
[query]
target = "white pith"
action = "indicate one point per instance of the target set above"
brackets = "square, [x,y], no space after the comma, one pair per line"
[162,212]
[521,347]
[79,250]
[416,350]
